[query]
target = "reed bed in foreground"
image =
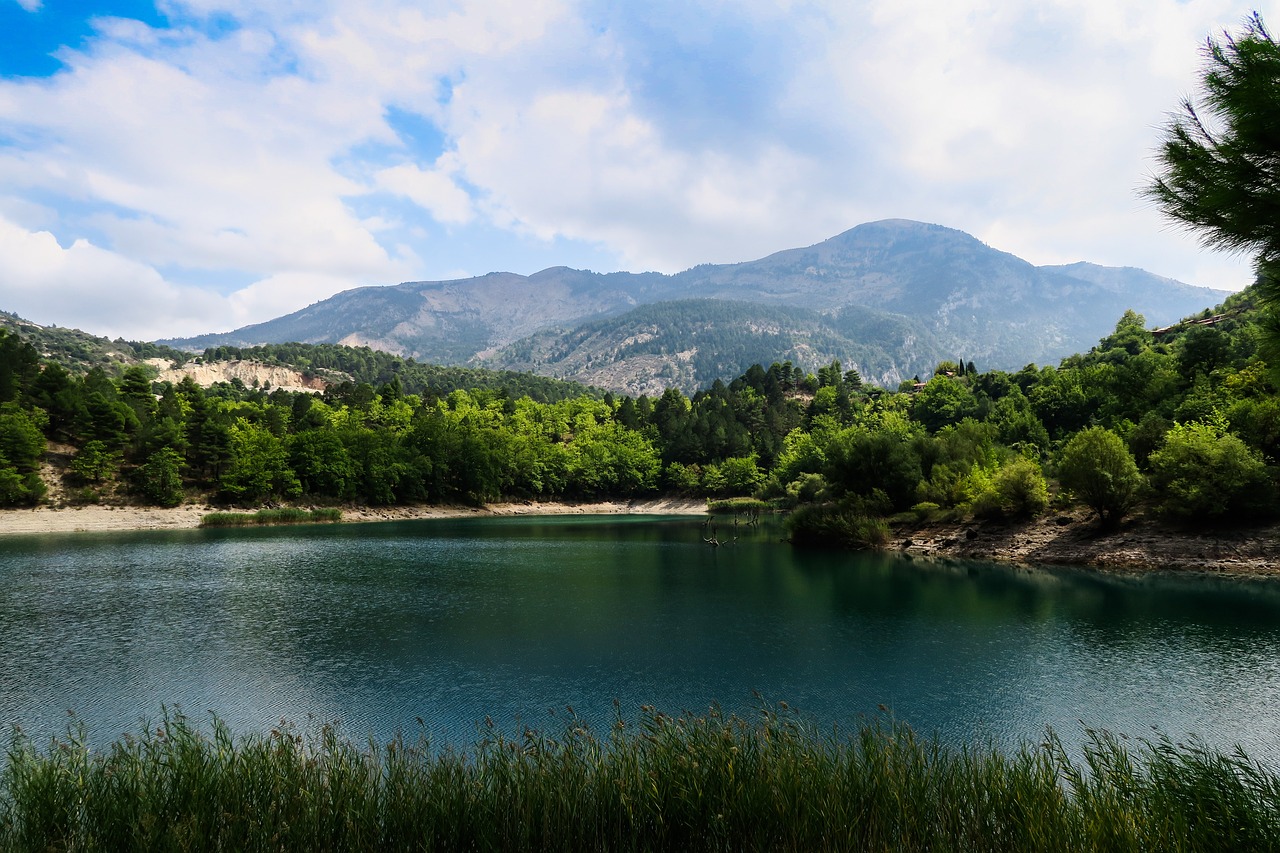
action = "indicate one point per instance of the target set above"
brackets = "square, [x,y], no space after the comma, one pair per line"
[708,782]
[287,515]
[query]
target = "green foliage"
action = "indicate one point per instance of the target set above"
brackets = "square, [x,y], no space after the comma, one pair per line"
[942,402]
[727,506]
[1203,473]
[263,517]
[1017,489]
[1220,174]
[854,522]
[861,461]
[19,366]
[1099,470]
[323,464]
[693,783]
[683,479]
[259,466]
[742,476]
[17,489]
[95,463]
[159,479]
[611,460]
[399,432]
[22,446]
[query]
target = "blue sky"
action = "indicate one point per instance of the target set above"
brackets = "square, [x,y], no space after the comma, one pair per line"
[181,167]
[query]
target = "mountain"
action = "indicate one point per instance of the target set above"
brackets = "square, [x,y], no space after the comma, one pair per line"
[689,344]
[894,292]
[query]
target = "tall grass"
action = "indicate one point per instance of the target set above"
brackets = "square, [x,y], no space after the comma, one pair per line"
[286,515]
[709,782]
[737,505]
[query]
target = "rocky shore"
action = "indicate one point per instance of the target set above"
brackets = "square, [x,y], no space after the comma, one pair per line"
[1139,544]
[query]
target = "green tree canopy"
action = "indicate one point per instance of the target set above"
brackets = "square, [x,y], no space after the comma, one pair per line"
[1221,156]
[1099,469]
[1204,473]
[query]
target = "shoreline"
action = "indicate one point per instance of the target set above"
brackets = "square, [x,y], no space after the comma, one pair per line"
[100,518]
[1139,545]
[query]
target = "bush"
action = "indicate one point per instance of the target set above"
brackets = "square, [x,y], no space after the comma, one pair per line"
[1202,472]
[806,488]
[17,489]
[1098,468]
[853,522]
[1017,489]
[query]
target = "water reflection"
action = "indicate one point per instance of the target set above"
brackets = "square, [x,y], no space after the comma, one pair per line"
[376,625]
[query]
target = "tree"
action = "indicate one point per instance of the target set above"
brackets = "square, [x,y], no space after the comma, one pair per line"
[1099,469]
[1203,473]
[1221,158]
[258,467]
[159,479]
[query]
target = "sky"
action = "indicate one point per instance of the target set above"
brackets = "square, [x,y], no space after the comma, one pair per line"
[192,166]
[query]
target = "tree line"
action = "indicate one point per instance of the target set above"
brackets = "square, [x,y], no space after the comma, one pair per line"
[1185,419]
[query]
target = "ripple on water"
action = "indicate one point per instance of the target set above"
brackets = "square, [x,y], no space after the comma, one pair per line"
[375,626]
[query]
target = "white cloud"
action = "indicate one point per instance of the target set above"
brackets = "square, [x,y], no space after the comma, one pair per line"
[663,135]
[282,294]
[431,189]
[30,5]
[91,288]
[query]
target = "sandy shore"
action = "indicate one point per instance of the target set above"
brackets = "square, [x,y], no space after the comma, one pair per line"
[103,518]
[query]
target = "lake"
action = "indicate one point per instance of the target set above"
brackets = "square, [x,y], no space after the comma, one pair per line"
[376,626]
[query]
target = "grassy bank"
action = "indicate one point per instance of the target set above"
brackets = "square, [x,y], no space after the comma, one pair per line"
[287,515]
[711,782]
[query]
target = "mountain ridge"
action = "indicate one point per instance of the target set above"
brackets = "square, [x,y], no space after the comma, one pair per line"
[961,294]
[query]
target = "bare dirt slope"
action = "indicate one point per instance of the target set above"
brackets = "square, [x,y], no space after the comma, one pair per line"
[253,374]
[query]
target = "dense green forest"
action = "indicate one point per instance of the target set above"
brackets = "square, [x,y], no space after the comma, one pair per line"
[1184,420]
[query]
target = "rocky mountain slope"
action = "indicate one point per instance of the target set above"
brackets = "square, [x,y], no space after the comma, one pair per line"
[689,344]
[957,295]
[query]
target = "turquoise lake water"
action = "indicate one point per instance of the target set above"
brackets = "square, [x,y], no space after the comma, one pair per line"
[375,626]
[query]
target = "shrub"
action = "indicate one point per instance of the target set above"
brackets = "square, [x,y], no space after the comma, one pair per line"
[806,488]
[1202,472]
[1016,489]
[853,522]
[1098,468]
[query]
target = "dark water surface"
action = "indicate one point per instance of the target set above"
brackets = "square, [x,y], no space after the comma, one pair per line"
[375,625]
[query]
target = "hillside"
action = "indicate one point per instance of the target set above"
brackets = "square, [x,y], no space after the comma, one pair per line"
[79,351]
[293,367]
[689,344]
[957,293]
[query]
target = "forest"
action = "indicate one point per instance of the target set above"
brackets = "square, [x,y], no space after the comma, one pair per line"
[1183,421]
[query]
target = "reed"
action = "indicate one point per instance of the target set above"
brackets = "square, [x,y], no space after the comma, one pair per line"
[286,515]
[727,506]
[707,782]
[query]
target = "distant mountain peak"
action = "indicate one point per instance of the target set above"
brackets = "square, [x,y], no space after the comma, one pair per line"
[948,290]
